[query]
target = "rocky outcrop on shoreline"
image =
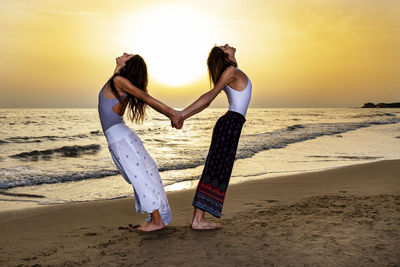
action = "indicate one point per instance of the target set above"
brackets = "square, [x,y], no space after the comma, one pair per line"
[382,105]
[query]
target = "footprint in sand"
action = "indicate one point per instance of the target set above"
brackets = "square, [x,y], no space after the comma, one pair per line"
[70,235]
[90,234]
[130,227]
[133,226]
[48,252]
[253,204]
[30,259]
[271,200]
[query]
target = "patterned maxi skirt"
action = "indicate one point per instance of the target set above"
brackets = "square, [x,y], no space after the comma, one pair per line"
[211,190]
[138,169]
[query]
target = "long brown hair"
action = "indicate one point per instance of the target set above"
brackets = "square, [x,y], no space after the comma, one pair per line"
[135,70]
[217,63]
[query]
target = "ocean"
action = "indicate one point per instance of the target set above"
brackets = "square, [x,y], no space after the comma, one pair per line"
[52,156]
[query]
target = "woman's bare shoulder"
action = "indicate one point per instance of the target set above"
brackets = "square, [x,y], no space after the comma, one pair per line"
[120,83]
[119,79]
[229,72]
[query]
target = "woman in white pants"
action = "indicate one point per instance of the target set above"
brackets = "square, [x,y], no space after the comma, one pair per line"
[128,88]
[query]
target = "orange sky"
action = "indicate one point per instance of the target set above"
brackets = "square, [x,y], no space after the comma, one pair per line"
[310,53]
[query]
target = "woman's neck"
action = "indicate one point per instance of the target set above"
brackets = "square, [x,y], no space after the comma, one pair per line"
[117,69]
[232,59]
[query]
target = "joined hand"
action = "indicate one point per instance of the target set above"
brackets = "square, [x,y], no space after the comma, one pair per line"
[177,120]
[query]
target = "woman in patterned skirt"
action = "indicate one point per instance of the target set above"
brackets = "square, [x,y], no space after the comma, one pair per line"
[213,184]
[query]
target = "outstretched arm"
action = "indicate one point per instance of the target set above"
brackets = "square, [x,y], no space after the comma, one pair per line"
[205,100]
[126,86]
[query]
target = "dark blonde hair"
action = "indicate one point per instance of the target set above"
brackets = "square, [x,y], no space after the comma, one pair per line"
[217,63]
[135,70]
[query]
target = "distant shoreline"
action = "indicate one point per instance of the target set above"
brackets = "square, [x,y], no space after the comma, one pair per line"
[381,105]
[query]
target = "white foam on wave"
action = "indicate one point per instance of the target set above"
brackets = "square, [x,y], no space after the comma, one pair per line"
[251,144]
[26,176]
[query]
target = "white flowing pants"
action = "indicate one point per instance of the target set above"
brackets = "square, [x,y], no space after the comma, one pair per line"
[138,169]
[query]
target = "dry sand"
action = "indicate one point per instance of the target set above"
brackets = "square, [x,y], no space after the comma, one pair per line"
[348,216]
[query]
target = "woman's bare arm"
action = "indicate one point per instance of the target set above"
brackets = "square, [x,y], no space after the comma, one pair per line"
[205,100]
[126,86]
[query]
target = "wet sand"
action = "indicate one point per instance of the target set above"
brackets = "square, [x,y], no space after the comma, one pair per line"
[346,216]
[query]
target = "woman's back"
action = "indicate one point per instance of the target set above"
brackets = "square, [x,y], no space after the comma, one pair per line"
[109,108]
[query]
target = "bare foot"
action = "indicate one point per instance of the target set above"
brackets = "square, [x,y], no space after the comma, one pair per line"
[150,226]
[143,225]
[191,221]
[204,225]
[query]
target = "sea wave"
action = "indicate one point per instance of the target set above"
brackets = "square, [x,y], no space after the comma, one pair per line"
[181,164]
[30,122]
[345,157]
[188,158]
[24,176]
[27,139]
[38,139]
[294,127]
[96,132]
[251,144]
[65,151]
[374,115]
[18,177]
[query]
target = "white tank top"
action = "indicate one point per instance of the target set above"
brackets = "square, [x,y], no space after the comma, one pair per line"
[239,101]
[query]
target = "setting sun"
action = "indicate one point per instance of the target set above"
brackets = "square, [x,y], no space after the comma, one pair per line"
[174,42]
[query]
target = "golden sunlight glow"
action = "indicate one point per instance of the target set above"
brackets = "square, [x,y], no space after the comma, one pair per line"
[310,53]
[173,41]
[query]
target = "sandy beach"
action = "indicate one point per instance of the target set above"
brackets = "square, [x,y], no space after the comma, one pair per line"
[348,216]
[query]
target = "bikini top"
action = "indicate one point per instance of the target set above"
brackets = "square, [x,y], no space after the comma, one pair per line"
[239,101]
[107,115]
